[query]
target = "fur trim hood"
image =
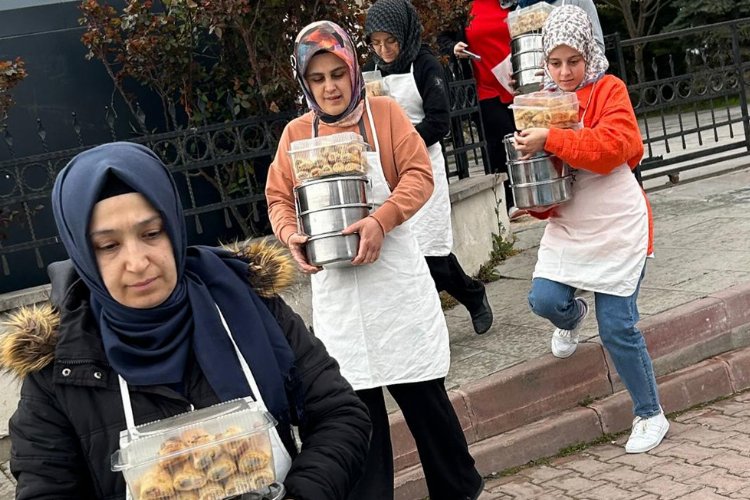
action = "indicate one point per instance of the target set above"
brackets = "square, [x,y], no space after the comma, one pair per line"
[31,332]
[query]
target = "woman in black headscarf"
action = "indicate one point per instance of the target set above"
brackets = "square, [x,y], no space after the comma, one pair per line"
[164,328]
[413,76]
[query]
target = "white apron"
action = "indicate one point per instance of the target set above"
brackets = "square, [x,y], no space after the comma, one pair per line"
[432,223]
[382,322]
[598,240]
[282,461]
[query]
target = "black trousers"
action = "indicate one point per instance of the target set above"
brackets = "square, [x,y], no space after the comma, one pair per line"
[450,276]
[447,464]
[498,122]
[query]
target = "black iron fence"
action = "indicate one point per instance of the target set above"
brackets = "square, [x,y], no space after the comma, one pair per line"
[689,92]
[220,171]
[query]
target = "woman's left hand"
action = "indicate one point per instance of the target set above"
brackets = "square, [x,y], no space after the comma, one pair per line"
[370,240]
[530,141]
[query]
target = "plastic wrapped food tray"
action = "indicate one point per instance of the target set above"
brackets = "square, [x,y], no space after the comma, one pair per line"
[528,19]
[546,110]
[335,154]
[209,454]
[374,85]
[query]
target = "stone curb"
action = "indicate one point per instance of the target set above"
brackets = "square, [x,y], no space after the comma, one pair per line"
[536,408]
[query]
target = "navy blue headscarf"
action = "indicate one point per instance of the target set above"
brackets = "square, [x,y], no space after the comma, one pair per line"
[152,346]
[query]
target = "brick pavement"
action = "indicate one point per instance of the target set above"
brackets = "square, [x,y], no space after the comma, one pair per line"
[705,456]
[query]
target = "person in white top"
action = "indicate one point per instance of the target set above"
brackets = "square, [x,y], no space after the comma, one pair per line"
[600,239]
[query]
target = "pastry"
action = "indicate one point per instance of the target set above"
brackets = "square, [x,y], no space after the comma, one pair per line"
[262,478]
[156,484]
[222,467]
[253,460]
[238,484]
[205,454]
[168,448]
[187,477]
[212,491]
[235,447]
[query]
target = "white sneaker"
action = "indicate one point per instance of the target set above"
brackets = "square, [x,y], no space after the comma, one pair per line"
[647,433]
[565,342]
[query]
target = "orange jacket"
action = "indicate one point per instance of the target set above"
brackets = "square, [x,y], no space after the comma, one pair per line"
[610,136]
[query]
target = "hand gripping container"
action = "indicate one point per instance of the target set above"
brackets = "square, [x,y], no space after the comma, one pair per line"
[546,110]
[528,19]
[335,154]
[213,453]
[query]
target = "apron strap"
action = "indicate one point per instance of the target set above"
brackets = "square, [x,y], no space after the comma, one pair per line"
[316,125]
[127,405]
[243,363]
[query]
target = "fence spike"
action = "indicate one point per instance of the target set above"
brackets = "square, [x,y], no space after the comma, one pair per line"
[6,267]
[42,133]
[198,225]
[8,138]
[110,119]
[77,128]
[173,113]
[227,218]
[140,115]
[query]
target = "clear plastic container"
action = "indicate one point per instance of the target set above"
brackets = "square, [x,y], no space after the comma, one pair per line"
[336,154]
[374,85]
[546,110]
[528,19]
[212,453]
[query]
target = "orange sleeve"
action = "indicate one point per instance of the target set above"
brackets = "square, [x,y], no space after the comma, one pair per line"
[280,191]
[610,139]
[414,181]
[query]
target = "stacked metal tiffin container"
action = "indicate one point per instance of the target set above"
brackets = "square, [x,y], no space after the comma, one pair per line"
[325,207]
[527,55]
[332,195]
[540,182]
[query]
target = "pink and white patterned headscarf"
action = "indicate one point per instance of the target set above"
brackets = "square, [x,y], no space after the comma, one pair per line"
[327,36]
[570,25]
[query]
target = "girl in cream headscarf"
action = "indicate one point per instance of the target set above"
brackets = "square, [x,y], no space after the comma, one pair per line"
[600,239]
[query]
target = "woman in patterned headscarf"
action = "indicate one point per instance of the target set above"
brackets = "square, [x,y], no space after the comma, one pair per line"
[380,318]
[600,239]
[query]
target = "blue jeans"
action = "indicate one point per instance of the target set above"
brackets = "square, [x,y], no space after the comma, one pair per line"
[616,318]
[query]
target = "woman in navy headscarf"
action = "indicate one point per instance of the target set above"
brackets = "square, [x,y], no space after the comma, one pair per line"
[149,328]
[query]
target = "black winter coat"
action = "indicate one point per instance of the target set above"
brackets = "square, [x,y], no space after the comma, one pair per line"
[70,414]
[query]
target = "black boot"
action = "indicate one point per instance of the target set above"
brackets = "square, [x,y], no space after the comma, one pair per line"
[482,317]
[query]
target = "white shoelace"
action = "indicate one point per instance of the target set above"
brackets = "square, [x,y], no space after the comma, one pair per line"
[564,333]
[639,425]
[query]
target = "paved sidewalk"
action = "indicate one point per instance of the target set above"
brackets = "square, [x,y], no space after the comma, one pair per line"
[705,456]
